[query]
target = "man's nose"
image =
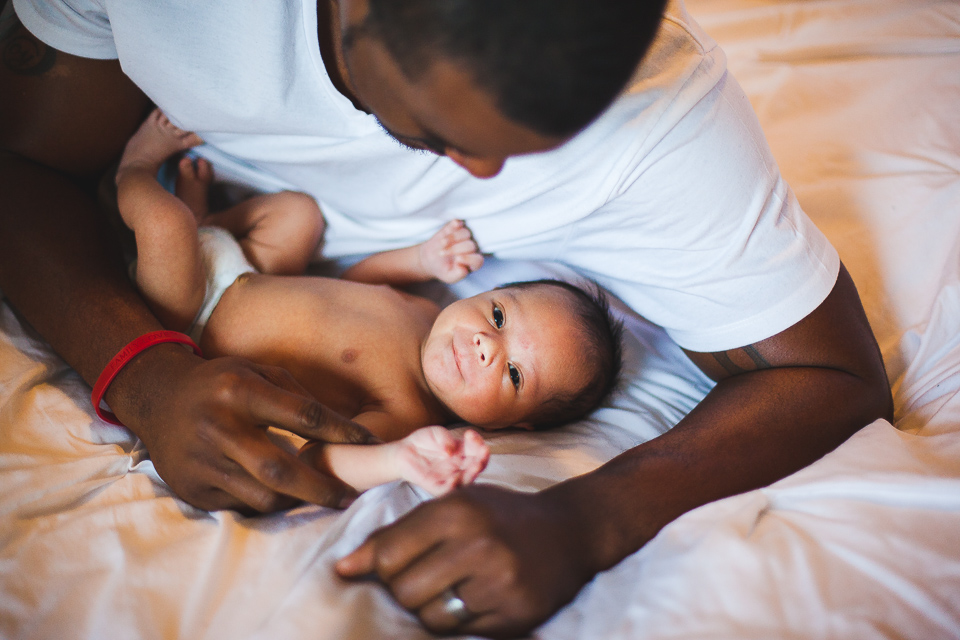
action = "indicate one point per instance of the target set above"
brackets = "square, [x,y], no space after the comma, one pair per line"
[478,167]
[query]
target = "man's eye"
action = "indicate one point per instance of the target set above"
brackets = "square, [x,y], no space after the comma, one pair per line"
[514,376]
[498,317]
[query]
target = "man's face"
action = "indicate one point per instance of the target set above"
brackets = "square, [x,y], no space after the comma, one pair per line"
[443,112]
[494,358]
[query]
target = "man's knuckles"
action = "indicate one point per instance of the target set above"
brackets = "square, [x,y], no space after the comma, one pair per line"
[273,470]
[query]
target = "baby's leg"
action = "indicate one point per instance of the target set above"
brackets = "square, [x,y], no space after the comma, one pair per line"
[169,269]
[154,142]
[279,232]
[193,185]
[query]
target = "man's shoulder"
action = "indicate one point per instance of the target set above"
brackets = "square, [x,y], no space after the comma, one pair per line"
[682,61]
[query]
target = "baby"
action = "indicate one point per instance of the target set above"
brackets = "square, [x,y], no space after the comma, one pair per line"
[527,355]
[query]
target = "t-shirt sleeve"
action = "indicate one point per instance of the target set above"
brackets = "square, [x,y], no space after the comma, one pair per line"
[705,238]
[77,27]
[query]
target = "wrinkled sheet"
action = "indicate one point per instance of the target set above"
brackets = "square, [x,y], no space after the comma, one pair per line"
[859,102]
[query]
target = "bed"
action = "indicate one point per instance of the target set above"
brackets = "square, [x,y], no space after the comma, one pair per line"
[859,100]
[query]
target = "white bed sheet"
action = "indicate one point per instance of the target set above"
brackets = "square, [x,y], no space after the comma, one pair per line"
[858,99]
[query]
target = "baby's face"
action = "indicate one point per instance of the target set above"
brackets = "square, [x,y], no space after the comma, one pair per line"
[494,358]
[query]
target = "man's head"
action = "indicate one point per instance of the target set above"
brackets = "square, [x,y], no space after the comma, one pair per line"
[531,355]
[480,80]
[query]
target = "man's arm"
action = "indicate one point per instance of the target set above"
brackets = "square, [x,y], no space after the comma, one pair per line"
[63,119]
[516,558]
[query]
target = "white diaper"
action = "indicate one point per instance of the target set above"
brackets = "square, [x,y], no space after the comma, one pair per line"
[223,262]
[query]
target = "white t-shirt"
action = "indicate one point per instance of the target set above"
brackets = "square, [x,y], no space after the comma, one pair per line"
[671,199]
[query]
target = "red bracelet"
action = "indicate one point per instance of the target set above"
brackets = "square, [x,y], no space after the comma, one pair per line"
[127,354]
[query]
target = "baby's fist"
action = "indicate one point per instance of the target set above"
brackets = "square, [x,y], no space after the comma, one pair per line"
[451,254]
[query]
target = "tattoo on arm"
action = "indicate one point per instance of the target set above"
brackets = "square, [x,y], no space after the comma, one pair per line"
[21,53]
[758,359]
[724,360]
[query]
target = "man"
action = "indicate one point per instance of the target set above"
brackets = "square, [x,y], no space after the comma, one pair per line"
[669,198]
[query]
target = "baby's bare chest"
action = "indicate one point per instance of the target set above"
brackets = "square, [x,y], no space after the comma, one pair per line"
[351,352]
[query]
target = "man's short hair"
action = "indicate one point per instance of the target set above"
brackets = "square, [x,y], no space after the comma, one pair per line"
[602,346]
[550,65]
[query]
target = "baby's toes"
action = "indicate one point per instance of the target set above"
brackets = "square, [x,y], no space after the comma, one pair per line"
[188,170]
[190,139]
[204,170]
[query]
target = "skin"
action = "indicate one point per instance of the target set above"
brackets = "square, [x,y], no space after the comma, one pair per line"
[494,358]
[384,357]
[514,558]
[444,112]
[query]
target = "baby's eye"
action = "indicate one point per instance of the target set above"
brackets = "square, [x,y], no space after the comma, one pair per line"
[498,317]
[514,376]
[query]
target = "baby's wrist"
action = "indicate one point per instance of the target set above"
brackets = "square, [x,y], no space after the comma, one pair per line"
[422,270]
[389,459]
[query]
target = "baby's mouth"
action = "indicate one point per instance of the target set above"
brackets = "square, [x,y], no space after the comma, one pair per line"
[456,356]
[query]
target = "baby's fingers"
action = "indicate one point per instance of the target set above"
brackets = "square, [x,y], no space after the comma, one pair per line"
[470,261]
[476,454]
[463,247]
[453,226]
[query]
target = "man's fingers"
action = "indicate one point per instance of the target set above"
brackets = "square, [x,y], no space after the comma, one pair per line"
[359,562]
[434,571]
[288,406]
[391,549]
[282,472]
[252,495]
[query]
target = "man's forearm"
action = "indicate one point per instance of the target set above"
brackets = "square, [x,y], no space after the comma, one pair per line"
[60,268]
[750,431]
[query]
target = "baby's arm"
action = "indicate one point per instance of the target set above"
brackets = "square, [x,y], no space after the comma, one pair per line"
[448,256]
[433,458]
[169,268]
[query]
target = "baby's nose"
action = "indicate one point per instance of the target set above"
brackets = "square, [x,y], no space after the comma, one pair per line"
[486,348]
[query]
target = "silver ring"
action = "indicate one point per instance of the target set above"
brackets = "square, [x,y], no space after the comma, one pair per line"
[455,606]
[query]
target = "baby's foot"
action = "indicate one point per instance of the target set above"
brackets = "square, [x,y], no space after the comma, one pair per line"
[193,185]
[155,141]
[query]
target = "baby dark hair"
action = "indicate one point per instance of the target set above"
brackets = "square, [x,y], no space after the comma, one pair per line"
[603,354]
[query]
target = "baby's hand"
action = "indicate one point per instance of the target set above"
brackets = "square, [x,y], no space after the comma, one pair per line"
[439,460]
[451,253]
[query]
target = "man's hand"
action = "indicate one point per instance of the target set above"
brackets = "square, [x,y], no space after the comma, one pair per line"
[205,429]
[513,559]
[451,254]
